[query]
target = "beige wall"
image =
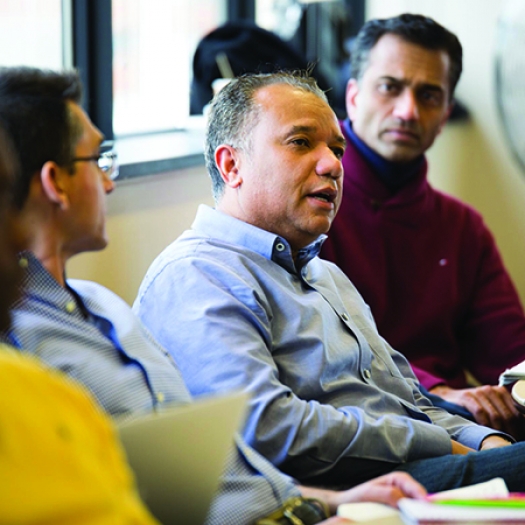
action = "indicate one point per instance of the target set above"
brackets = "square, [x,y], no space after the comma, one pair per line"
[469,160]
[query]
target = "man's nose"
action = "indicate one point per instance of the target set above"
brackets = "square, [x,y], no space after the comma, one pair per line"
[406,106]
[109,184]
[329,164]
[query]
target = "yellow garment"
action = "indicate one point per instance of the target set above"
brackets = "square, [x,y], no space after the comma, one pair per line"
[60,461]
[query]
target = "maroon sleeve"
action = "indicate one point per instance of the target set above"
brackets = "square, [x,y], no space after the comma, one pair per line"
[494,330]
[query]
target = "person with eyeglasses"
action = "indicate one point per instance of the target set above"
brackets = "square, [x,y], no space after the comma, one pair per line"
[56,443]
[65,167]
[106,159]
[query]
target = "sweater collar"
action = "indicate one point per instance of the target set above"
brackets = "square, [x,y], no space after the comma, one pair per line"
[393,175]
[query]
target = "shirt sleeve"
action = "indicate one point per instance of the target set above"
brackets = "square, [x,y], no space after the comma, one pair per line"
[250,489]
[459,429]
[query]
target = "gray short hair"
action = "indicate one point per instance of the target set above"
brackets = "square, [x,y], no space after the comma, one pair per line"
[232,111]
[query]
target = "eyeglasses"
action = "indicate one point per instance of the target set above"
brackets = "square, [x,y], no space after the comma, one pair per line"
[106,159]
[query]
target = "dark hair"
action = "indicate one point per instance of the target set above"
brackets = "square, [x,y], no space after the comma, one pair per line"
[416,29]
[8,168]
[232,113]
[10,271]
[34,112]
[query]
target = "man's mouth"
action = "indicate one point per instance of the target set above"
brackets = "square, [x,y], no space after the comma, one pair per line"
[402,133]
[328,195]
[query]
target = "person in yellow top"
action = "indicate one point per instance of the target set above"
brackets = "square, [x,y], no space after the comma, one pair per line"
[60,460]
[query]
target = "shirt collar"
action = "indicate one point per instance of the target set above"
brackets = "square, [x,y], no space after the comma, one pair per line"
[37,280]
[218,225]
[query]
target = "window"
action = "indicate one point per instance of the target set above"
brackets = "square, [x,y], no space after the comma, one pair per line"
[153,46]
[31,33]
[281,17]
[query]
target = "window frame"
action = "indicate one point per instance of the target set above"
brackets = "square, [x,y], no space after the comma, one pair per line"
[93,57]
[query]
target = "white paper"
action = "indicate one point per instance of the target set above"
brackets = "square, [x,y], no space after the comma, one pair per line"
[494,488]
[510,375]
[367,512]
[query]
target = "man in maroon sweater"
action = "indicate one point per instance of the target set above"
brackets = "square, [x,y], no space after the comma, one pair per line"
[425,262]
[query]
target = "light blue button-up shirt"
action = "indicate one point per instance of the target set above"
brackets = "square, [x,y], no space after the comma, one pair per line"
[236,312]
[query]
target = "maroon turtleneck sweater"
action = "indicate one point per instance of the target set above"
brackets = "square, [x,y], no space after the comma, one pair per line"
[430,270]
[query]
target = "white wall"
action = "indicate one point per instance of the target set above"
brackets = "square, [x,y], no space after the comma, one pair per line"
[469,160]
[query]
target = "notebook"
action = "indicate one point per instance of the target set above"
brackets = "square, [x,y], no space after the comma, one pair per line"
[179,454]
[489,502]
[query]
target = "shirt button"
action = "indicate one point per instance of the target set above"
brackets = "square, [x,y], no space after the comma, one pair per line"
[70,307]
[344,316]
[160,397]
[367,373]
[23,263]
[280,247]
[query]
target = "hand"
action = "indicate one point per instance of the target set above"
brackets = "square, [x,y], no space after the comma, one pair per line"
[388,489]
[491,406]
[458,448]
[494,442]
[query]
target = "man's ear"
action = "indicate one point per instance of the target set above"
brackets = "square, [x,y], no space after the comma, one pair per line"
[352,90]
[228,161]
[54,181]
[447,115]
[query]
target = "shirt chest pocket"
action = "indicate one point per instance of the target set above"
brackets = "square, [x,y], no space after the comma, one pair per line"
[376,353]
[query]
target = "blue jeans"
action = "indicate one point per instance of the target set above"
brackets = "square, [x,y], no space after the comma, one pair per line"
[435,474]
[452,471]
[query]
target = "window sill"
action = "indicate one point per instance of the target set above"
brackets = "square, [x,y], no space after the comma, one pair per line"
[143,155]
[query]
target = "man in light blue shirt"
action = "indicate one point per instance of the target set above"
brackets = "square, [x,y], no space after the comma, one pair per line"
[242,301]
[83,328]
